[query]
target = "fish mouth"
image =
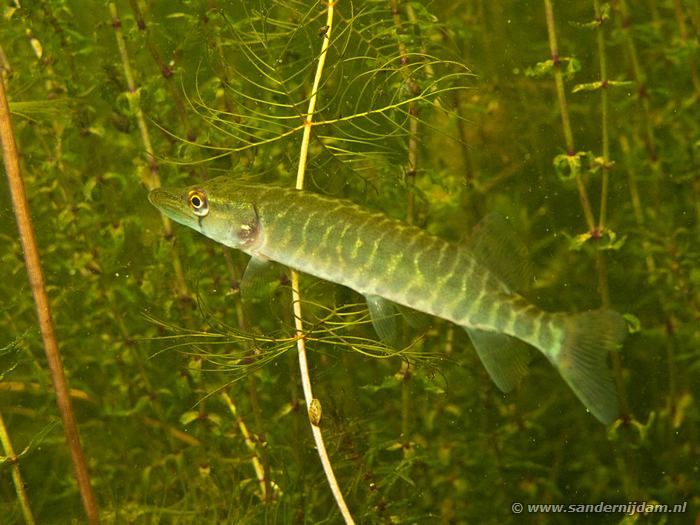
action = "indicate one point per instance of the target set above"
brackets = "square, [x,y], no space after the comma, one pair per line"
[172,203]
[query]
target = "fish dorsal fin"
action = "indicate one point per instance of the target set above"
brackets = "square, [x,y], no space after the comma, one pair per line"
[385,319]
[495,244]
[505,358]
[260,279]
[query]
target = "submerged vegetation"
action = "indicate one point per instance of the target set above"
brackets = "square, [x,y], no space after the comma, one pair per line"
[579,121]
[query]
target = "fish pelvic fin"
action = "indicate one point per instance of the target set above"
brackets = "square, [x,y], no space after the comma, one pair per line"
[582,359]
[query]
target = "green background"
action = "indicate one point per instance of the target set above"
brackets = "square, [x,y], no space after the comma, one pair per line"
[151,327]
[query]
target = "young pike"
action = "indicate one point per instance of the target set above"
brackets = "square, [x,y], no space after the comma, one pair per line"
[391,262]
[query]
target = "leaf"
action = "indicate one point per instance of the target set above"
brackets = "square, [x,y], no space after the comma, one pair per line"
[569,166]
[390,382]
[634,325]
[577,242]
[588,86]
[573,66]
[592,86]
[10,353]
[613,243]
[543,68]
[540,69]
[608,240]
[36,441]
[188,417]
[621,83]
[595,24]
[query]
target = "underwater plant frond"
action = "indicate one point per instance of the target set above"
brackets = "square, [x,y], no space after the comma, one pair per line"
[367,88]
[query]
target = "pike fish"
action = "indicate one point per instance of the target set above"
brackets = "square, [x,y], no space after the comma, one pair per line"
[395,265]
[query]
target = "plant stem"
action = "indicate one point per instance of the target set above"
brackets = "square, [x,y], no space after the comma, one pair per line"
[683,33]
[565,120]
[43,307]
[411,164]
[641,80]
[16,473]
[257,464]
[308,122]
[411,172]
[604,109]
[603,287]
[296,296]
[235,276]
[153,179]
[309,397]
[165,70]
[637,203]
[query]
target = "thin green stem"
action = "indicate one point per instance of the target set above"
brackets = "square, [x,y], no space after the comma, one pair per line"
[604,110]
[637,203]
[559,77]
[411,169]
[309,117]
[603,286]
[312,403]
[412,161]
[235,276]
[257,464]
[565,120]
[683,32]
[16,473]
[166,71]
[152,179]
[640,78]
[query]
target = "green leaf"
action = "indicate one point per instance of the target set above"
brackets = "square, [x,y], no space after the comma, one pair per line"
[390,382]
[594,24]
[577,242]
[621,83]
[634,325]
[573,66]
[613,243]
[569,166]
[188,417]
[588,86]
[540,69]
[36,441]
[10,351]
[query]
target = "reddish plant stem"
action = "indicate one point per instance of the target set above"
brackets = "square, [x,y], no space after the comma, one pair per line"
[43,308]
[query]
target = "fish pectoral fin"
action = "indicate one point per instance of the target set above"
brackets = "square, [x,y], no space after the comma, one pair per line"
[260,279]
[496,245]
[417,320]
[504,357]
[385,318]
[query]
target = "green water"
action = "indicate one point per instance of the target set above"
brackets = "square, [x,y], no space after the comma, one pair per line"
[437,114]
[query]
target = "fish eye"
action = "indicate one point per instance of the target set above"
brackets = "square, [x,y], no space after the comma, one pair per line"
[197,200]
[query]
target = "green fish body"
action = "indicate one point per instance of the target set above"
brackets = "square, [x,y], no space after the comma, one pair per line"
[390,262]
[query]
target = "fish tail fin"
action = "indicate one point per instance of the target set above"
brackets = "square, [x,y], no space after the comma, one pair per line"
[582,359]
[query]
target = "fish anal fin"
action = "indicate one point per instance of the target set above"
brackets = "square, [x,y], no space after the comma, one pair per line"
[496,245]
[504,357]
